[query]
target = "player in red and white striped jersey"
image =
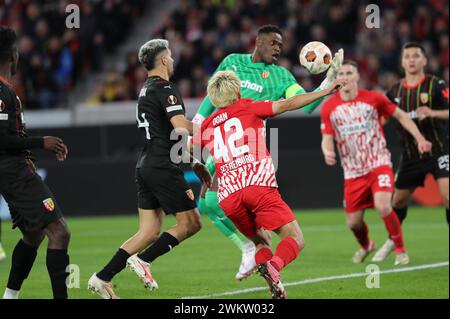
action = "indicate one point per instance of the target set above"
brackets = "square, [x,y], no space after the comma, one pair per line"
[248,194]
[352,117]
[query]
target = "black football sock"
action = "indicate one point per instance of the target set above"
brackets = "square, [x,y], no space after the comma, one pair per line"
[23,258]
[401,213]
[446,211]
[57,263]
[163,245]
[116,265]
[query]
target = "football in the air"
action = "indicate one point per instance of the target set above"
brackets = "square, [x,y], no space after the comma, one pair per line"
[315,57]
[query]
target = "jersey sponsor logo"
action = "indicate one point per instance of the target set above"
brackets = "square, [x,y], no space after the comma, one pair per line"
[265,75]
[174,108]
[190,194]
[356,128]
[49,205]
[251,86]
[171,99]
[424,98]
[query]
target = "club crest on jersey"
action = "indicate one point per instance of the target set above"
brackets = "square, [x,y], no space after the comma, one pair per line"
[2,106]
[424,98]
[265,75]
[49,204]
[190,194]
[172,99]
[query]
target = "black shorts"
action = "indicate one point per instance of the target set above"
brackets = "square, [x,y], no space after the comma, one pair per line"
[163,187]
[411,173]
[31,203]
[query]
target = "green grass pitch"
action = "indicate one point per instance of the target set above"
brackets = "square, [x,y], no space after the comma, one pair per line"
[206,264]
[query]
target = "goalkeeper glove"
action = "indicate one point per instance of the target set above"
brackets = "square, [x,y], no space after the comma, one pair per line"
[335,65]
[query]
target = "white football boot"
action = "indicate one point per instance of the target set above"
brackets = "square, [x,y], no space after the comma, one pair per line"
[362,254]
[401,259]
[248,263]
[102,288]
[384,251]
[142,270]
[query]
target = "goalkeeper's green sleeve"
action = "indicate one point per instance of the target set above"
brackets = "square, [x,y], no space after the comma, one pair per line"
[296,89]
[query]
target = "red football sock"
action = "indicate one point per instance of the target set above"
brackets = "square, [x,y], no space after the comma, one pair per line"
[394,228]
[362,235]
[287,250]
[263,255]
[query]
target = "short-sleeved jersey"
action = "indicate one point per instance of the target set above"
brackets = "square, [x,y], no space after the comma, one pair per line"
[12,121]
[159,100]
[357,130]
[235,137]
[432,92]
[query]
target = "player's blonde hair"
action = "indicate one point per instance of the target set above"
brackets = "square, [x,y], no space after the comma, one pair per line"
[224,89]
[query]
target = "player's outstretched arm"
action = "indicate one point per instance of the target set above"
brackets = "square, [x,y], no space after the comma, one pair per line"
[49,143]
[328,149]
[13,143]
[336,64]
[424,112]
[299,101]
[423,145]
[181,125]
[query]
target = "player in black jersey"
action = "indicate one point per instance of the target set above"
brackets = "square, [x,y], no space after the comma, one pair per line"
[33,208]
[160,182]
[425,98]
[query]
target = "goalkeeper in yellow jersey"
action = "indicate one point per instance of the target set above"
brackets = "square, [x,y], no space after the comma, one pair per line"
[261,80]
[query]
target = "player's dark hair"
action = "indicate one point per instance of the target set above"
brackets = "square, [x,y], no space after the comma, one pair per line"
[350,62]
[150,50]
[269,28]
[8,39]
[414,45]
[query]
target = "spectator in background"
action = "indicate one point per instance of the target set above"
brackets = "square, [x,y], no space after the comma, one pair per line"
[54,58]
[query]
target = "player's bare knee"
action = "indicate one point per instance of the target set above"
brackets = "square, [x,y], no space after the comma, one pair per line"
[195,226]
[384,209]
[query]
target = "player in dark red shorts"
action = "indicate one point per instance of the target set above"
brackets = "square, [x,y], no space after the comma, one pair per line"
[352,118]
[248,194]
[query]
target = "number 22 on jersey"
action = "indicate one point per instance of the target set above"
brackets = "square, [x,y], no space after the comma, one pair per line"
[223,148]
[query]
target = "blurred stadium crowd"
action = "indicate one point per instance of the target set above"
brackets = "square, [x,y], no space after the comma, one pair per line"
[52,57]
[203,32]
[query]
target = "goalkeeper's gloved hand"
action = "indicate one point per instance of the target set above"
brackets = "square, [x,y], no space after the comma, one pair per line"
[335,65]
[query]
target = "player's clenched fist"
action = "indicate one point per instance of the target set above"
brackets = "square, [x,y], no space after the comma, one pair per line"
[330,158]
[57,146]
[424,146]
